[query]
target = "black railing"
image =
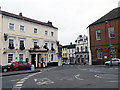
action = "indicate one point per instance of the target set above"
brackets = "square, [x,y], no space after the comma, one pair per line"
[52,49]
[36,47]
[45,47]
[22,47]
[11,46]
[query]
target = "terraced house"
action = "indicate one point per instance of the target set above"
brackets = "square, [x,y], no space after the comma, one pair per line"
[105,37]
[22,37]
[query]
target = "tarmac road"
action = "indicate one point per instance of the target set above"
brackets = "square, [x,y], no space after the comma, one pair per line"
[68,76]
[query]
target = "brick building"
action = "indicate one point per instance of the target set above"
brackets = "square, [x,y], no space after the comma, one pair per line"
[105,37]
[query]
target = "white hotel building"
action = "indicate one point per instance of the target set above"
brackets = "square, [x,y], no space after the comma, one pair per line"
[22,37]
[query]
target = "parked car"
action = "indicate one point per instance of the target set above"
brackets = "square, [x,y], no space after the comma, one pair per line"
[114,61]
[5,68]
[19,65]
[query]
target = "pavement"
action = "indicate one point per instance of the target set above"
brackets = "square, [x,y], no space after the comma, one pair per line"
[9,73]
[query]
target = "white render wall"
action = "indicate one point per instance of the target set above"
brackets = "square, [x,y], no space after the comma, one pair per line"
[0,38]
[28,35]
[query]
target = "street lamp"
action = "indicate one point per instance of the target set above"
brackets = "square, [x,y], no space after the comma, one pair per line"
[110,45]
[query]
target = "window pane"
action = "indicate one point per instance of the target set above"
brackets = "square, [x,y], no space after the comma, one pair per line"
[98,35]
[21,43]
[52,34]
[113,52]
[35,30]
[51,57]
[10,58]
[99,52]
[21,28]
[11,26]
[35,43]
[21,57]
[46,32]
[111,32]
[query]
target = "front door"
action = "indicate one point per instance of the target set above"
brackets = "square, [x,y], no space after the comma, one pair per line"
[33,57]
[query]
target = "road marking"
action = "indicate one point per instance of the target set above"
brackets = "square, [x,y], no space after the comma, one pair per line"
[84,69]
[43,81]
[97,76]
[19,85]
[112,81]
[78,77]
[15,80]
[20,82]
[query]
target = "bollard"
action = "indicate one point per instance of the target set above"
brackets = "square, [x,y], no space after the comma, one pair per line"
[32,68]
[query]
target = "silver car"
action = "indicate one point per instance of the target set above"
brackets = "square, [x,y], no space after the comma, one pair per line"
[114,61]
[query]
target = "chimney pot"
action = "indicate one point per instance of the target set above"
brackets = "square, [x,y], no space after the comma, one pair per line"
[20,14]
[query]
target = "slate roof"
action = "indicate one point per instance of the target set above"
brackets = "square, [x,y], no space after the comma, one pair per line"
[49,24]
[69,46]
[114,14]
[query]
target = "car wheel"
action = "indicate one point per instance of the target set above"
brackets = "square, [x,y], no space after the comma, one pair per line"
[17,69]
[30,68]
[5,70]
[107,64]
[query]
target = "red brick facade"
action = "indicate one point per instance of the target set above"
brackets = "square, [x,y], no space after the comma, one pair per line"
[104,43]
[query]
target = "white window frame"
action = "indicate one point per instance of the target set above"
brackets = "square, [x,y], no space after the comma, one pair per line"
[22,30]
[13,58]
[35,41]
[46,34]
[100,52]
[9,26]
[21,40]
[46,55]
[23,56]
[97,37]
[53,34]
[110,30]
[53,45]
[51,58]
[34,30]
[47,43]
[113,51]
[13,41]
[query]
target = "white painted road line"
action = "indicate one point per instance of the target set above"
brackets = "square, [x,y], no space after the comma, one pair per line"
[20,82]
[43,81]
[14,80]
[97,76]
[19,85]
[113,81]
[78,77]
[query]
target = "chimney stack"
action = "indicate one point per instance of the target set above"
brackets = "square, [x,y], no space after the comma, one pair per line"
[50,23]
[20,14]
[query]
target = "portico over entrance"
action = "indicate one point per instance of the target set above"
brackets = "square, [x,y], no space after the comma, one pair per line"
[37,55]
